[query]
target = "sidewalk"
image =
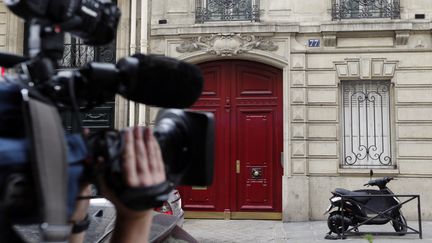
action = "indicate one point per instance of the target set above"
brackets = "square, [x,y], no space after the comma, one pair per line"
[257,231]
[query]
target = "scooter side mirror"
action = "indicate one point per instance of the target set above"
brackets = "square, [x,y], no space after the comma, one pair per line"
[371,174]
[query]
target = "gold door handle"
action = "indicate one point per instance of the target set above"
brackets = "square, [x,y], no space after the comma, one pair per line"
[238,166]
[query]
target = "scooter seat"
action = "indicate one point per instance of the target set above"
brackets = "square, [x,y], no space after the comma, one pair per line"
[356,196]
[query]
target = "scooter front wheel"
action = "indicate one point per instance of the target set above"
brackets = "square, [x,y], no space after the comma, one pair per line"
[399,224]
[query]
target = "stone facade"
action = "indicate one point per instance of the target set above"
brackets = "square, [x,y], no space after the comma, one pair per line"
[397,50]
[11,31]
[286,36]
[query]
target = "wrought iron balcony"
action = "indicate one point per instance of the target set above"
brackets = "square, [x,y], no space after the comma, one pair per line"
[227,10]
[361,9]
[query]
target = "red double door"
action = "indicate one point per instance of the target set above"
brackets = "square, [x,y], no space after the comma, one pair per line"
[246,99]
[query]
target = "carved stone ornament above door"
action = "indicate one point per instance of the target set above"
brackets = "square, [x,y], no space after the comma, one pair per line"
[226,44]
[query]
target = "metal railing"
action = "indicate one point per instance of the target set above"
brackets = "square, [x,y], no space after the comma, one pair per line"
[366,123]
[361,9]
[354,230]
[76,54]
[227,10]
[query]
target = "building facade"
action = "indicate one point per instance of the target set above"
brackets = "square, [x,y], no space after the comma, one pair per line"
[353,81]
[308,96]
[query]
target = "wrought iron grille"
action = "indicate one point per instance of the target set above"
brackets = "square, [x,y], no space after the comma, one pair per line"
[366,123]
[227,10]
[359,9]
[76,53]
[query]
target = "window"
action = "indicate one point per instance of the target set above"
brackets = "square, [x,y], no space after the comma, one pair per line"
[366,124]
[76,54]
[227,10]
[359,9]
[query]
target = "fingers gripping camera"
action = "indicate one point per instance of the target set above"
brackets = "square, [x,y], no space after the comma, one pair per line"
[186,138]
[186,141]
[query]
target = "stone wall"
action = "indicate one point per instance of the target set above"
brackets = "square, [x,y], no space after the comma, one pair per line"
[11,31]
[399,51]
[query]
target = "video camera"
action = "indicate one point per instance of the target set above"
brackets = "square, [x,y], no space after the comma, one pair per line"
[41,164]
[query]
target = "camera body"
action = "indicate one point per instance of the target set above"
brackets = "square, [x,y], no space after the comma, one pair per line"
[94,21]
[186,138]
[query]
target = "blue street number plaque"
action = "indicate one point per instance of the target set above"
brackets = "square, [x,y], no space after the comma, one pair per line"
[314,43]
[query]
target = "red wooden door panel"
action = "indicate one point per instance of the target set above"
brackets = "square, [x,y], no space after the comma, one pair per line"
[246,98]
[255,143]
[210,199]
[256,140]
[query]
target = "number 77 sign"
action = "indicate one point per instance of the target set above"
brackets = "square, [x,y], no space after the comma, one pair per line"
[314,43]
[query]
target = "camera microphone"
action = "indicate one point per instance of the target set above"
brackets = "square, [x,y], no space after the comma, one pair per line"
[148,79]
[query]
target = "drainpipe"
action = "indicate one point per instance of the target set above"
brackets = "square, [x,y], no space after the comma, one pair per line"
[132,50]
[143,111]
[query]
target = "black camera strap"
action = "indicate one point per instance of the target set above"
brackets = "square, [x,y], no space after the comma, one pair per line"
[49,166]
[143,198]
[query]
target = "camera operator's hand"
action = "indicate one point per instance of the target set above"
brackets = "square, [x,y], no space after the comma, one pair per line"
[142,166]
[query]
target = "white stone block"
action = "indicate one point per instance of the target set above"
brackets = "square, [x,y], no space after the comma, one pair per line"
[354,69]
[418,77]
[177,6]
[342,70]
[414,113]
[297,78]
[416,167]
[298,149]
[423,95]
[296,198]
[365,42]
[298,96]
[415,149]
[298,166]
[377,68]
[298,130]
[321,61]
[323,166]
[389,69]
[412,59]
[406,131]
[365,64]
[323,149]
[322,131]
[322,96]
[326,78]
[322,114]
[298,113]
[298,61]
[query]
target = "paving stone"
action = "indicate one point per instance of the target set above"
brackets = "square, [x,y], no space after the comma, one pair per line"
[251,231]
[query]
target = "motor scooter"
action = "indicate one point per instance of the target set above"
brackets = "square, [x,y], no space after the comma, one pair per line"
[365,207]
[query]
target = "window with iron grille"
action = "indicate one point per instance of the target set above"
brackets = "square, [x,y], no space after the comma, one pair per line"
[227,10]
[76,54]
[360,9]
[366,124]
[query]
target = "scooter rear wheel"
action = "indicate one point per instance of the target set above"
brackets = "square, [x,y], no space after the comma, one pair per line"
[334,222]
[399,224]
